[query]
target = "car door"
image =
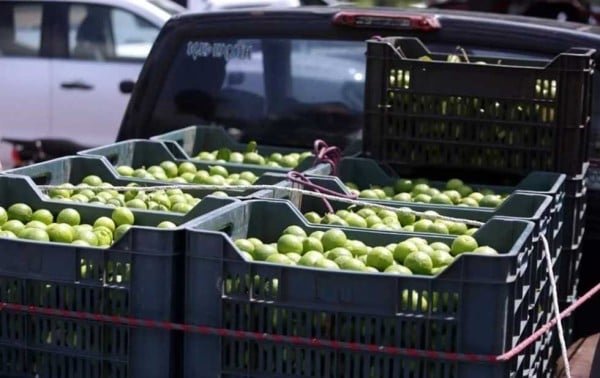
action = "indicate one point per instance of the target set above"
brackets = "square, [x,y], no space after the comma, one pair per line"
[105,46]
[24,72]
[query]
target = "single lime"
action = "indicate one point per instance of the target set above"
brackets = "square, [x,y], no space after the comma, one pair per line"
[69,216]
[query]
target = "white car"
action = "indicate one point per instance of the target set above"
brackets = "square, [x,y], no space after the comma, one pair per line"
[67,67]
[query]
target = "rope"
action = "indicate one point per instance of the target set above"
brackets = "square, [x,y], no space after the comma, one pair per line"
[296,340]
[556,307]
[330,197]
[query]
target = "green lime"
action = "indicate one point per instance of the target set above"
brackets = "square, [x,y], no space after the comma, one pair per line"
[380,258]
[441,199]
[403,185]
[295,257]
[244,245]
[471,202]
[3,216]
[88,236]
[333,238]
[295,230]
[462,244]
[63,191]
[454,184]
[255,241]
[104,236]
[310,258]
[485,250]
[366,212]
[370,269]
[471,231]
[92,180]
[122,215]
[61,233]
[404,249]
[438,228]
[166,224]
[350,263]
[440,258]
[217,170]
[324,263]
[290,243]
[417,240]
[182,208]
[36,224]
[312,244]
[246,256]
[120,231]
[402,197]
[422,225]
[357,247]
[7,234]
[440,246]
[312,217]
[69,216]
[41,215]
[419,263]
[81,243]
[278,258]
[438,270]
[186,167]
[34,234]
[397,269]
[20,212]
[490,200]
[414,302]
[125,170]
[337,252]
[170,168]
[105,222]
[263,251]
[405,216]
[373,220]
[317,234]
[464,190]
[456,228]
[355,220]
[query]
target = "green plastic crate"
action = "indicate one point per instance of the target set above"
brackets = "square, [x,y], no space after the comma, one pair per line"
[224,290]
[138,276]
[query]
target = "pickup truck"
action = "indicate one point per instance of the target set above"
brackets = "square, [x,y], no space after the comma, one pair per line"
[285,77]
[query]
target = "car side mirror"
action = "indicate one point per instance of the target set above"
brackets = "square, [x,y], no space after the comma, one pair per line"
[126,86]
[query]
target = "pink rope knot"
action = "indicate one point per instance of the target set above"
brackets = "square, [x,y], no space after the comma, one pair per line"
[327,154]
[300,178]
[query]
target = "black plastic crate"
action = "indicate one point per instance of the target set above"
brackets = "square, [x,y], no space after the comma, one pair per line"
[509,117]
[224,290]
[367,172]
[195,139]
[576,203]
[138,276]
[138,153]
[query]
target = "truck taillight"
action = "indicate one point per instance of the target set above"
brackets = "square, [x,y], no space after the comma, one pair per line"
[372,20]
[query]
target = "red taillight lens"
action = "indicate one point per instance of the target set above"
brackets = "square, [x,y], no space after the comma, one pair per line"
[16,156]
[386,21]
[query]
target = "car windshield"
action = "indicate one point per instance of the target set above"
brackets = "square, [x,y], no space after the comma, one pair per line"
[168,6]
[275,91]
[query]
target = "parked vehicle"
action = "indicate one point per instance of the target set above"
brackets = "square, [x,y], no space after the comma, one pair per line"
[283,77]
[67,68]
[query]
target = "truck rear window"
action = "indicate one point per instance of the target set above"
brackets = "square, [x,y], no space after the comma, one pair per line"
[274,91]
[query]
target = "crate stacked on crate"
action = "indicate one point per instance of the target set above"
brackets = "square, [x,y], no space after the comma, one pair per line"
[441,313]
[495,119]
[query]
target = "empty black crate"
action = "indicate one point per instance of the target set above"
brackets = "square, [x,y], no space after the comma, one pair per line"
[512,116]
